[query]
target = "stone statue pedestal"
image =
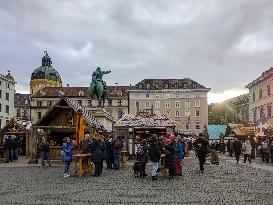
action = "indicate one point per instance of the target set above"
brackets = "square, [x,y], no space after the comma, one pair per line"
[104,117]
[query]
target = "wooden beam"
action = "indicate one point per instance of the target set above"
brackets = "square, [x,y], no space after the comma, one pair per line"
[65,107]
[55,127]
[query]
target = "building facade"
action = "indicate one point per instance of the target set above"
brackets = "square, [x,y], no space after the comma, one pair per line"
[22,106]
[184,101]
[116,103]
[261,97]
[7,90]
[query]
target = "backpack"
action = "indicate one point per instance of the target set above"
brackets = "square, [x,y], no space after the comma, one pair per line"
[140,150]
[117,144]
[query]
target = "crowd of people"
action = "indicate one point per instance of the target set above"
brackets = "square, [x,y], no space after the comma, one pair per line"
[12,148]
[99,147]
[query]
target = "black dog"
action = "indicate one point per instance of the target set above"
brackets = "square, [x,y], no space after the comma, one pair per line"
[139,169]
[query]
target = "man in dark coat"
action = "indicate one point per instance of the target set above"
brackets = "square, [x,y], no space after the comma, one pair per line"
[154,155]
[170,155]
[96,156]
[237,146]
[201,151]
[85,145]
[142,154]
[8,147]
[109,153]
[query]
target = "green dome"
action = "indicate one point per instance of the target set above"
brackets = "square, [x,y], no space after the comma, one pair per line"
[46,71]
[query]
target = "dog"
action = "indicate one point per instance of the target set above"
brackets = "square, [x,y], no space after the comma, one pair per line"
[139,169]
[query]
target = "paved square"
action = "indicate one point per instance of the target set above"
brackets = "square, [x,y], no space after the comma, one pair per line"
[225,184]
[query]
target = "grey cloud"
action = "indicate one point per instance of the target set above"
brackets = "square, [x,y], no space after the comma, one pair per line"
[203,40]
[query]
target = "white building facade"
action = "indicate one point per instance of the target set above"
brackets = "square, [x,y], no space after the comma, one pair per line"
[7,90]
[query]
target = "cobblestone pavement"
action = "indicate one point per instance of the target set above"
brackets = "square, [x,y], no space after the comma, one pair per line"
[228,183]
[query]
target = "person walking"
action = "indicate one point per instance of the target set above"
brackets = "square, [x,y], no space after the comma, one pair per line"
[142,155]
[16,144]
[246,149]
[109,153]
[8,147]
[117,147]
[230,147]
[45,152]
[265,150]
[96,154]
[237,146]
[179,155]
[170,155]
[67,152]
[154,154]
[201,151]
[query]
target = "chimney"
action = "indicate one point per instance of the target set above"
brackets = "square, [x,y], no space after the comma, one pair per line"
[67,85]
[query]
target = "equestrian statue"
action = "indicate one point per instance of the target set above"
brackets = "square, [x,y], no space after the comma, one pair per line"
[98,86]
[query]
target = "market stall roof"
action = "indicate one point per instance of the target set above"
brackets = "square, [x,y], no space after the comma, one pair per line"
[239,129]
[214,131]
[151,121]
[88,117]
[16,126]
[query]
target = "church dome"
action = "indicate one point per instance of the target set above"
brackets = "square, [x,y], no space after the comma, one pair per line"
[46,71]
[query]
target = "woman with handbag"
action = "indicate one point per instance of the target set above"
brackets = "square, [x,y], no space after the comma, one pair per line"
[67,152]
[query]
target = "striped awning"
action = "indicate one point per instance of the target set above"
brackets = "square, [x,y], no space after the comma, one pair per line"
[90,120]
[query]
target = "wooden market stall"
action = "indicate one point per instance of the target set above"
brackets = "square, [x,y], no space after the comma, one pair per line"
[134,127]
[67,118]
[21,130]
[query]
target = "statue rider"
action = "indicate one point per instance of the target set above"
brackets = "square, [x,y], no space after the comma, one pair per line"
[97,77]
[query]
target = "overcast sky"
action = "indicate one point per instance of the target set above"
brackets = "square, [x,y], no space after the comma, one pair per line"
[221,44]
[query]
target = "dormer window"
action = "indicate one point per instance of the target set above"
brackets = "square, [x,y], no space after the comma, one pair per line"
[166,86]
[148,86]
[120,92]
[156,86]
[176,85]
[81,93]
[140,86]
[194,85]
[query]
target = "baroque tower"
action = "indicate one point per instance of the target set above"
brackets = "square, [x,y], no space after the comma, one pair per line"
[44,76]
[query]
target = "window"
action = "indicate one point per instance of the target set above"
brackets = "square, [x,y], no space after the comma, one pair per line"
[260,93]
[120,93]
[197,103]
[194,85]
[110,102]
[119,102]
[120,114]
[148,86]
[0,93]
[89,102]
[0,120]
[187,125]
[197,125]
[167,95]
[39,115]
[7,96]
[80,102]
[177,104]
[268,90]
[177,113]
[269,110]
[157,95]
[18,113]
[156,86]
[177,95]
[167,104]
[7,85]
[168,113]
[254,115]
[176,85]
[49,103]
[261,112]
[166,86]
[147,104]
[137,104]
[157,112]
[0,82]
[39,103]
[197,113]
[7,109]
[140,86]
[0,107]
[157,104]
[187,113]
[147,95]
[253,96]
[99,103]
[187,104]
[197,96]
